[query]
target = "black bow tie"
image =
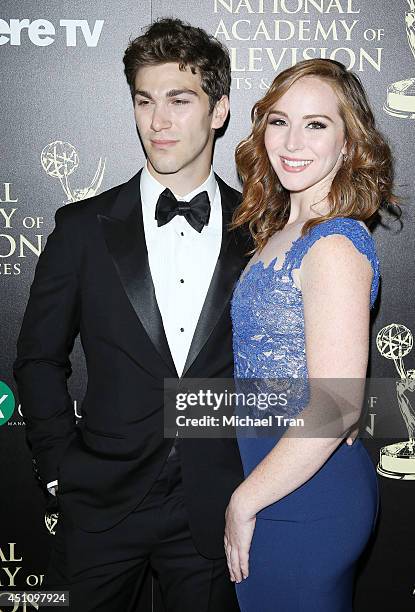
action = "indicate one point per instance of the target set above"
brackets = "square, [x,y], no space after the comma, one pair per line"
[196,212]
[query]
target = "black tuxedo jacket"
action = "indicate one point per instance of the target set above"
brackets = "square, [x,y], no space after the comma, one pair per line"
[93,278]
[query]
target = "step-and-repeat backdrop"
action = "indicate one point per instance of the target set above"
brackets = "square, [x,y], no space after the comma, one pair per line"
[68,133]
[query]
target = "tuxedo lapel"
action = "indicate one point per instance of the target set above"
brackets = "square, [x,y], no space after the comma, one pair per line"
[124,235]
[227,270]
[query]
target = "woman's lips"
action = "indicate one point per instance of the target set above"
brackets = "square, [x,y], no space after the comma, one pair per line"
[290,164]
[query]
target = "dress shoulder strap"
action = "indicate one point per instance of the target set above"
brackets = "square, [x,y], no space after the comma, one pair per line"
[344,226]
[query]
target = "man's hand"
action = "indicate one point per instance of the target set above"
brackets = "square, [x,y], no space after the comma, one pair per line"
[238,536]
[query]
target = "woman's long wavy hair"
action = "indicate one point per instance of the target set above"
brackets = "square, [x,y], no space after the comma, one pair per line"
[362,184]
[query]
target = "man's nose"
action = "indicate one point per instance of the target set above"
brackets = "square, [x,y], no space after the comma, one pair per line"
[160,119]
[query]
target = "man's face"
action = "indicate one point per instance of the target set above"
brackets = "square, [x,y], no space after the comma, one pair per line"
[175,126]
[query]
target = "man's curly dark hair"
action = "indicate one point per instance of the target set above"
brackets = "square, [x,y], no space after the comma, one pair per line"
[173,41]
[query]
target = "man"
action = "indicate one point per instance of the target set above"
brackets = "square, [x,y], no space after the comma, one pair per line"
[145,273]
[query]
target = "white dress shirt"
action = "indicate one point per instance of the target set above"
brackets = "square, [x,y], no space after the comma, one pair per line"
[181,262]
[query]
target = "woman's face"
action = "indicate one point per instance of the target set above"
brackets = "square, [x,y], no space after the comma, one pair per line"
[304,137]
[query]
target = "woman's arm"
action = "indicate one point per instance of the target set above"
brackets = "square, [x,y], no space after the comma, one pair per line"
[335,283]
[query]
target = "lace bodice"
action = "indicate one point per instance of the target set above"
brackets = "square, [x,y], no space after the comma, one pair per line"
[267,307]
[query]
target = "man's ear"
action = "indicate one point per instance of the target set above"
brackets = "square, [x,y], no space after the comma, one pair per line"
[220,112]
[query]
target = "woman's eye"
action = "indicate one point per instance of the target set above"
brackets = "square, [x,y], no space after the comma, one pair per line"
[317,125]
[277,122]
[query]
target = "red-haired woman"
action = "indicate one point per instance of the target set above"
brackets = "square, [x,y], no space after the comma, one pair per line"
[315,172]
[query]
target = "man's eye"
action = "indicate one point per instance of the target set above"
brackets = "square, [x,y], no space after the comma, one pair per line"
[142,102]
[180,102]
[317,125]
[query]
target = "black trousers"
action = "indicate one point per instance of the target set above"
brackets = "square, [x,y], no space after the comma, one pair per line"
[105,571]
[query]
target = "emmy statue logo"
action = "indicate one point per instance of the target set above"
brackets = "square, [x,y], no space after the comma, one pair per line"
[400,97]
[398,460]
[59,159]
[51,520]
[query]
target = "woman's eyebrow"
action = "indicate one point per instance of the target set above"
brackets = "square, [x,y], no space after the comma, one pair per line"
[278,112]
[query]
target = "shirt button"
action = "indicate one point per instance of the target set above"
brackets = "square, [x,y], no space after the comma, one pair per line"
[182,280]
[182,329]
[181,233]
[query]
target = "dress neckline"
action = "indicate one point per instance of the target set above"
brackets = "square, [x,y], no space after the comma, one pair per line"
[317,228]
[271,264]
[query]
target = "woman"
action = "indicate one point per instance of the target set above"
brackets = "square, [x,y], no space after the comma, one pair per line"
[314,170]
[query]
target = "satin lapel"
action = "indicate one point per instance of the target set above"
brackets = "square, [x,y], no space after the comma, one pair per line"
[228,267]
[124,235]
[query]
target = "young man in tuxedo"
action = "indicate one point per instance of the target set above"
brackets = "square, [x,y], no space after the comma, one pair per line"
[144,272]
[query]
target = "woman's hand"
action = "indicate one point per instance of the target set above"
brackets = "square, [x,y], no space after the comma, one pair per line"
[239,529]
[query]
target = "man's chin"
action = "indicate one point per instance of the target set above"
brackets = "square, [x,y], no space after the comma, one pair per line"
[163,168]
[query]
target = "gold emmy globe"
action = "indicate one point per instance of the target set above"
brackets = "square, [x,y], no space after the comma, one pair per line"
[59,159]
[398,460]
[400,97]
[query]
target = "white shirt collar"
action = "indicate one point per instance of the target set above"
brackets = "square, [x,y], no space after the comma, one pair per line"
[151,189]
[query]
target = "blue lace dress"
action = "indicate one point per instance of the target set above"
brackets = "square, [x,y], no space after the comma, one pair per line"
[305,546]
